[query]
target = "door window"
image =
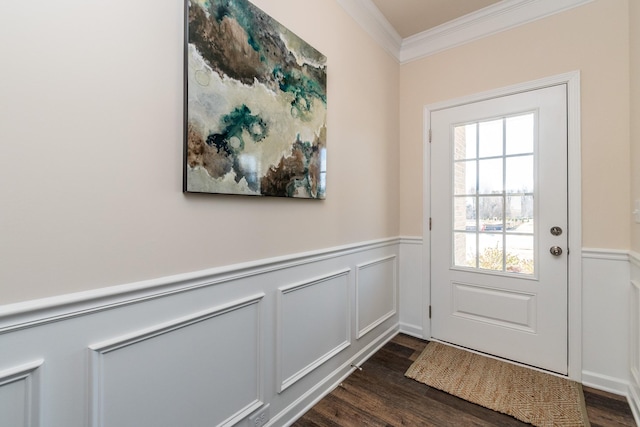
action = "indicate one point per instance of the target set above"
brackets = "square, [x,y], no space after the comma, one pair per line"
[494,195]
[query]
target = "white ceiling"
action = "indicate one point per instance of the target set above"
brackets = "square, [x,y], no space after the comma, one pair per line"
[410,17]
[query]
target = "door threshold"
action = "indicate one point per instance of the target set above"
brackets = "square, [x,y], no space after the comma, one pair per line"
[502,359]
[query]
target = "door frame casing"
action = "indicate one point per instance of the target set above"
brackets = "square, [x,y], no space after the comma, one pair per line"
[574,201]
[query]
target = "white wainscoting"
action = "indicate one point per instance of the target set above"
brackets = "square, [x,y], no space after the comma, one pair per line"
[204,348]
[280,332]
[605,311]
[317,309]
[634,337]
[20,395]
[414,299]
[183,354]
[605,319]
[376,293]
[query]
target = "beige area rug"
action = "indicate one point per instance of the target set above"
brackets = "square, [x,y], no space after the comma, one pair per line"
[526,394]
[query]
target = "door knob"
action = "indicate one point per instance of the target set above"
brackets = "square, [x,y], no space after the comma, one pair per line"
[555,250]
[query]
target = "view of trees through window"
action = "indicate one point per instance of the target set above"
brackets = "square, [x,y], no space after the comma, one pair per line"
[493,198]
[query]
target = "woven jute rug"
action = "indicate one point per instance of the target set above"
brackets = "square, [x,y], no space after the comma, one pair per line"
[525,394]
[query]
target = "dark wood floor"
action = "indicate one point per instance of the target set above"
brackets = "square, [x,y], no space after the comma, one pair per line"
[380,395]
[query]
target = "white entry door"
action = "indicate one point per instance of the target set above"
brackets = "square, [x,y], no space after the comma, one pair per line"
[499,227]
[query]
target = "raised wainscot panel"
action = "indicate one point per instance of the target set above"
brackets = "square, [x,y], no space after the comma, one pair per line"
[20,395]
[313,325]
[376,290]
[635,332]
[634,344]
[515,310]
[202,369]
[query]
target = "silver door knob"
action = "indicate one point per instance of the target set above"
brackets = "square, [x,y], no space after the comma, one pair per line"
[556,231]
[555,250]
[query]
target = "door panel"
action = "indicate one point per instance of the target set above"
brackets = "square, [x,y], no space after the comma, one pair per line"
[497,307]
[499,185]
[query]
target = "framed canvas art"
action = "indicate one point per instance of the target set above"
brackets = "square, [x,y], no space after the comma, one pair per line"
[255,104]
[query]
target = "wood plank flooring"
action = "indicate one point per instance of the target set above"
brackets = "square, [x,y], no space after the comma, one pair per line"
[381,396]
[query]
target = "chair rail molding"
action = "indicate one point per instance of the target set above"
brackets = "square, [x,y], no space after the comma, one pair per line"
[206,347]
[47,310]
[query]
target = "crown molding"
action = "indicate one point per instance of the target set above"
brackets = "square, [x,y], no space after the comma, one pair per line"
[369,17]
[490,20]
[493,19]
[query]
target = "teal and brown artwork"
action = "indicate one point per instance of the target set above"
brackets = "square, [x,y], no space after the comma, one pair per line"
[256,104]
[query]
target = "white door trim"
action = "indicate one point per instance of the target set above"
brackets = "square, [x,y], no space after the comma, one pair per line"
[572,80]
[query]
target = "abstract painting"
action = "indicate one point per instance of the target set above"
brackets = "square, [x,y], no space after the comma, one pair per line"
[255,107]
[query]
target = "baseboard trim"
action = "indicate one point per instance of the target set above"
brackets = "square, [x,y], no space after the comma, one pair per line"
[634,404]
[412,330]
[323,388]
[605,383]
[42,311]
